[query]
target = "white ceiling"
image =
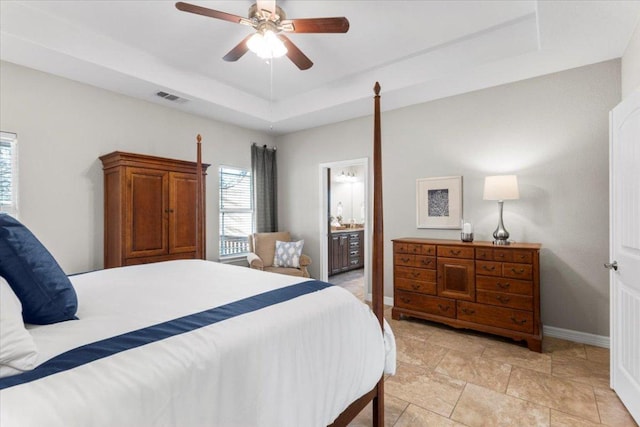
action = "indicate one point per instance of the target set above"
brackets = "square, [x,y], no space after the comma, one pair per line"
[418,50]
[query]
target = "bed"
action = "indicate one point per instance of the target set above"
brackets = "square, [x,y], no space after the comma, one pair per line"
[195,342]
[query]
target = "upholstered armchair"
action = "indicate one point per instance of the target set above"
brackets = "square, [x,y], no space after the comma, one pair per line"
[262,248]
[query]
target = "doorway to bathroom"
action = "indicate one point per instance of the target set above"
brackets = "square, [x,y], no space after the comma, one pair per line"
[344,225]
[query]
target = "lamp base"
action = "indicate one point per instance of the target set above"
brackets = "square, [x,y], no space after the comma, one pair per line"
[501,242]
[501,236]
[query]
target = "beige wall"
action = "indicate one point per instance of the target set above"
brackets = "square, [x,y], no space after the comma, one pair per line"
[551,131]
[64,126]
[631,64]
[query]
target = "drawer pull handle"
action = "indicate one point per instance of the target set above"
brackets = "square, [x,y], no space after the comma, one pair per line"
[405,260]
[443,307]
[500,255]
[415,286]
[452,252]
[504,285]
[516,271]
[415,274]
[518,322]
[407,300]
[426,261]
[429,250]
[486,267]
[503,299]
[468,311]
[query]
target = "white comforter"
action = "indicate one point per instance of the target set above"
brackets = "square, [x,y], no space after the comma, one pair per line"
[296,363]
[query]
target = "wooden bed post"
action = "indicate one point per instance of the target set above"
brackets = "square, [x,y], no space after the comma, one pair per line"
[200,253]
[378,248]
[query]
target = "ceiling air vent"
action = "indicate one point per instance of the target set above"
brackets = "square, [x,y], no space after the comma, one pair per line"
[171,97]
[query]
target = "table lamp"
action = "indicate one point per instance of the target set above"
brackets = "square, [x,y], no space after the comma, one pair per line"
[501,188]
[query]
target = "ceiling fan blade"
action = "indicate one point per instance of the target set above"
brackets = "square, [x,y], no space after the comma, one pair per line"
[237,52]
[211,13]
[316,25]
[294,54]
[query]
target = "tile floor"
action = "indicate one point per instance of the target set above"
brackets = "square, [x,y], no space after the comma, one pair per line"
[449,377]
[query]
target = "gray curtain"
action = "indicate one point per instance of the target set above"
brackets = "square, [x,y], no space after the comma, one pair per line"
[265,186]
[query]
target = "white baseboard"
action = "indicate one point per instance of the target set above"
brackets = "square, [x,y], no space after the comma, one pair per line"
[576,336]
[387,300]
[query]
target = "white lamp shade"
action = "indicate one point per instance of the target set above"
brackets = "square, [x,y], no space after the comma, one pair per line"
[501,187]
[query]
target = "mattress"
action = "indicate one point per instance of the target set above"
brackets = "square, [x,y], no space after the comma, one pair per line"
[280,351]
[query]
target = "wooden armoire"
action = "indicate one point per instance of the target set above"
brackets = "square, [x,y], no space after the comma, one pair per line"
[150,209]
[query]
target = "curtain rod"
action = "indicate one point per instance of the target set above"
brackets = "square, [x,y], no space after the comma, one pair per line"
[264,146]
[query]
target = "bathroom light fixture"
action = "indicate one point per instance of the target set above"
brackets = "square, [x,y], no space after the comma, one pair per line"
[501,188]
[347,177]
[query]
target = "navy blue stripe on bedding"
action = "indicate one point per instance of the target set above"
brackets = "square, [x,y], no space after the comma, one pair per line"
[91,352]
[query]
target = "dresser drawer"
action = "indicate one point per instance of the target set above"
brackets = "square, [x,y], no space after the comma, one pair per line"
[455,252]
[503,255]
[404,259]
[489,268]
[501,299]
[484,253]
[428,250]
[524,257]
[518,271]
[501,284]
[419,286]
[421,274]
[414,248]
[500,317]
[506,255]
[425,261]
[426,304]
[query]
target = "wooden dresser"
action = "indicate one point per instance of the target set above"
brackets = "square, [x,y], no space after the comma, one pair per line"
[149,209]
[480,286]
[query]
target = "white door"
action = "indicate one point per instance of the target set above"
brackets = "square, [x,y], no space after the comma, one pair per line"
[625,252]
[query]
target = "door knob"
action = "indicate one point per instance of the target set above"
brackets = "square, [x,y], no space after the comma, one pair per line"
[611,265]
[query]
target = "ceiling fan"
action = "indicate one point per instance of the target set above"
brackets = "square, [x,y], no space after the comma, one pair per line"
[270,21]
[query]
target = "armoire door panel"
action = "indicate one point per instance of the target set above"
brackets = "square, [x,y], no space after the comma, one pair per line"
[182,210]
[146,223]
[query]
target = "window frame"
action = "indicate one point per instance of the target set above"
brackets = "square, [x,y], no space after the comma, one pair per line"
[225,255]
[11,206]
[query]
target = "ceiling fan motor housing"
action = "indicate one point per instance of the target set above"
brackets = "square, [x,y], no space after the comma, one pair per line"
[265,15]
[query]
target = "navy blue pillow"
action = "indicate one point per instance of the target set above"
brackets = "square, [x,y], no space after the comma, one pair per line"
[45,292]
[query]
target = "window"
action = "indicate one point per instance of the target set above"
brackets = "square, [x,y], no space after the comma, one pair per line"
[9,173]
[236,211]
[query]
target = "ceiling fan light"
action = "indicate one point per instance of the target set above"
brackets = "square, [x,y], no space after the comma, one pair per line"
[275,45]
[266,45]
[256,43]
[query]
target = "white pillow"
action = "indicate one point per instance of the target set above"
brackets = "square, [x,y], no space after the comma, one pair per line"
[288,254]
[18,352]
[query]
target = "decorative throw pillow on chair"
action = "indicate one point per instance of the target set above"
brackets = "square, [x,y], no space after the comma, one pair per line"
[288,254]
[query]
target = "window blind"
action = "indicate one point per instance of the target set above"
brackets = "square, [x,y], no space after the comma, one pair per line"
[236,211]
[9,173]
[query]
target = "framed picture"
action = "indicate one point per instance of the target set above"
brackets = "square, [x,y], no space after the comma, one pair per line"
[439,202]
